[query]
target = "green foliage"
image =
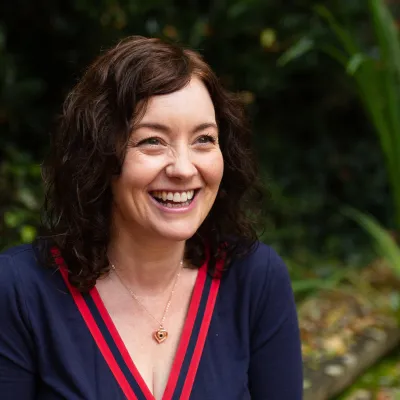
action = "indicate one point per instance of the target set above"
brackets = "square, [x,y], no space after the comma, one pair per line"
[378,80]
[381,381]
[385,243]
[377,76]
[20,202]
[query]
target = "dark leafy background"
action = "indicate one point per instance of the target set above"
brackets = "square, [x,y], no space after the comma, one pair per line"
[316,149]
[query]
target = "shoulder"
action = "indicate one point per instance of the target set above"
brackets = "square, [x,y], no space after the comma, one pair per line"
[17,251]
[260,281]
[19,269]
[16,260]
[261,265]
[13,299]
[26,286]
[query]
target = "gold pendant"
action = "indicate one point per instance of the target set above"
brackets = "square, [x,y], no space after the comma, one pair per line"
[160,335]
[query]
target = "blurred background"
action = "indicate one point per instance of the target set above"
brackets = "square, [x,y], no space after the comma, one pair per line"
[321,86]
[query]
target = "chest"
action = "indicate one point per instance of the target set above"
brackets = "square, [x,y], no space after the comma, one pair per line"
[105,349]
[137,321]
[152,360]
[223,359]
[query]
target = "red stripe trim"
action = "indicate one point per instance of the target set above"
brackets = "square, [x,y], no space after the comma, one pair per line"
[120,344]
[94,329]
[201,339]
[186,333]
[184,342]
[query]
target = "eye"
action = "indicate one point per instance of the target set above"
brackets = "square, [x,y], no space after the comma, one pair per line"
[151,141]
[205,139]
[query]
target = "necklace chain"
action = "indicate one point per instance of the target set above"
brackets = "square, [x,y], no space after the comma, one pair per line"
[167,306]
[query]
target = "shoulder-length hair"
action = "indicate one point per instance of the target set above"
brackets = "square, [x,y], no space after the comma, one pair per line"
[88,147]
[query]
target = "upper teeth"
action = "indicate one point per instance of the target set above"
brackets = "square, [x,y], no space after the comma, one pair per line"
[176,197]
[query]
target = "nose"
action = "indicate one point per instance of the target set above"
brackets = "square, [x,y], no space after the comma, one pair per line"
[181,166]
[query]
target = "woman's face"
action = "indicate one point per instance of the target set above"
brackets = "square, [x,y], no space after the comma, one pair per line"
[173,167]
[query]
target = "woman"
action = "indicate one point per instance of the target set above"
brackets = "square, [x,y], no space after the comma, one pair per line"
[155,286]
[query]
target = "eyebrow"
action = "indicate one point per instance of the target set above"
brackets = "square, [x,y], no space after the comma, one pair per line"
[155,126]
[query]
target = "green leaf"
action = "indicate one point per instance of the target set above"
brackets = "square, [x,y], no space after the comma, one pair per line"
[385,244]
[306,285]
[337,54]
[395,301]
[345,37]
[386,33]
[11,219]
[268,38]
[354,63]
[27,198]
[389,50]
[303,46]
[27,233]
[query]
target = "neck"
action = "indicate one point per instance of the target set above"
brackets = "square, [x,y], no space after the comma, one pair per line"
[148,266]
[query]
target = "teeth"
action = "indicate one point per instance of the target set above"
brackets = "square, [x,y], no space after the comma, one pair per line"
[171,205]
[176,197]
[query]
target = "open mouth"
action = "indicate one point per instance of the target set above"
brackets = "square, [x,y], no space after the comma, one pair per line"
[175,199]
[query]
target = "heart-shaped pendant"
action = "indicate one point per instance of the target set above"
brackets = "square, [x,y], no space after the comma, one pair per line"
[160,335]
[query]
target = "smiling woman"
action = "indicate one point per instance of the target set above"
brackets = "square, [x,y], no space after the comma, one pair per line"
[173,150]
[148,281]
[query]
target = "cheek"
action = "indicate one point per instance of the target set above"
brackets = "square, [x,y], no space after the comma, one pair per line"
[139,171]
[214,170]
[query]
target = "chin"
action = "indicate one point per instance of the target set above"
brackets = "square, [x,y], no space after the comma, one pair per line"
[178,234]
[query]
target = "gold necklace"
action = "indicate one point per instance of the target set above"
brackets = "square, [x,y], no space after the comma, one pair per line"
[161,334]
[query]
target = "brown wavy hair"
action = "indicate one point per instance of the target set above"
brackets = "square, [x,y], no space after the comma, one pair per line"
[88,147]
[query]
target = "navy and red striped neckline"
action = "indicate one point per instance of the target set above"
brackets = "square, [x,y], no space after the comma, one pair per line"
[111,346]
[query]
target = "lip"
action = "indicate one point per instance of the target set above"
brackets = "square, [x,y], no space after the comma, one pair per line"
[174,190]
[180,210]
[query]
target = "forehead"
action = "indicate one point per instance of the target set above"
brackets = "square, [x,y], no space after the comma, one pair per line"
[191,103]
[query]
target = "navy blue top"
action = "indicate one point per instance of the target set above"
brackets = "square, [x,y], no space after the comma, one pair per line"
[240,340]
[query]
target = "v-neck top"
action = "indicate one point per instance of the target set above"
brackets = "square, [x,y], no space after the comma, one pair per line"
[240,338]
